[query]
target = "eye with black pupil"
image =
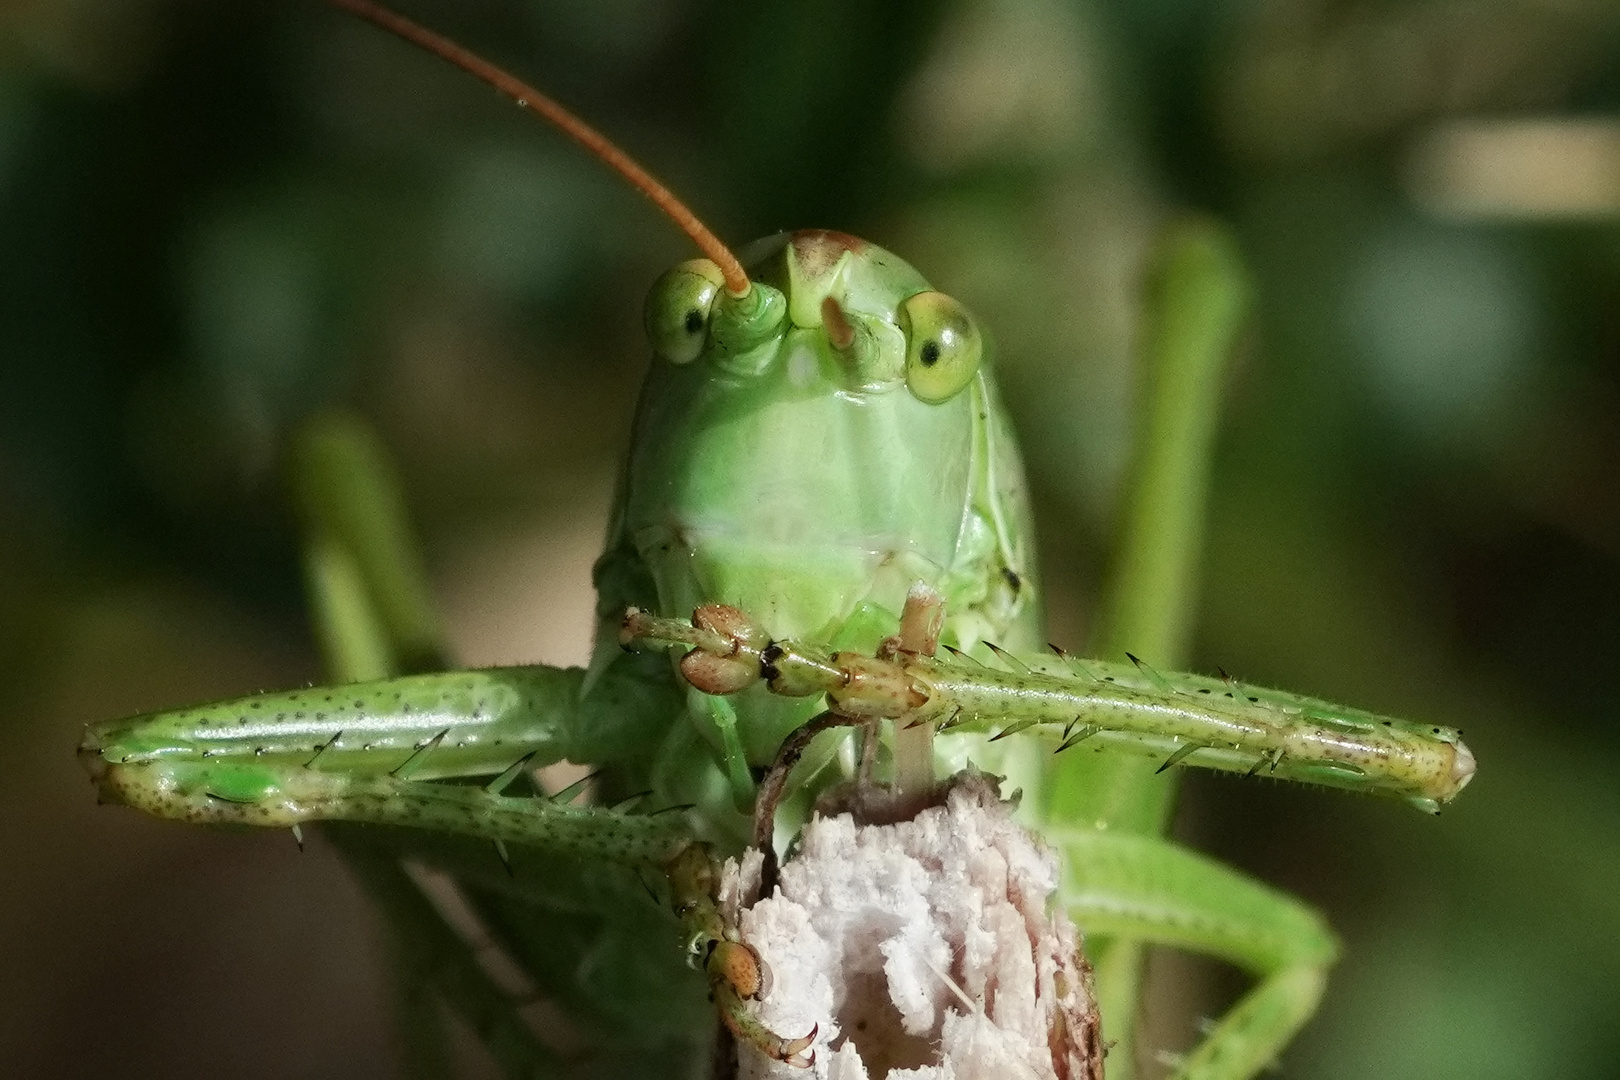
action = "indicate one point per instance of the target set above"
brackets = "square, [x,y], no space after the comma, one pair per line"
[678,308]
[943,346]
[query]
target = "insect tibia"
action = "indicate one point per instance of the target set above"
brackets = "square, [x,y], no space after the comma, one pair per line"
[1193,720]
[228,793]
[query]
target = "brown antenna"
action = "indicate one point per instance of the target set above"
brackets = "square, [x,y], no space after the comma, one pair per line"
[533,100]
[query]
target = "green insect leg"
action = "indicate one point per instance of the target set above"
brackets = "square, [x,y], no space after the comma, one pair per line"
[717,719]
[202,792]
[374,613]
[1150,891]
[735,972]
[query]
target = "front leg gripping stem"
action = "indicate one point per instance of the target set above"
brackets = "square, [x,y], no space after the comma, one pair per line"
[735,971]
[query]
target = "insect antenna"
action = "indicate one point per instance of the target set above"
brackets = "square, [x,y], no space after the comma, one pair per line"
[549,110]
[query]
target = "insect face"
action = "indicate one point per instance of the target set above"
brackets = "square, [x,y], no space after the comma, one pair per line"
[786,462]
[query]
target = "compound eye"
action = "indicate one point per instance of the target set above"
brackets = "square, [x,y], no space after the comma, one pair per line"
[678,306]
[943,346]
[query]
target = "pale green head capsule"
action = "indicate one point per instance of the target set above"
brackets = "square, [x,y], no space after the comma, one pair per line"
[809,451]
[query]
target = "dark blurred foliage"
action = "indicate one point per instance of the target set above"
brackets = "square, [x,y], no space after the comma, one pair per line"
[218,217]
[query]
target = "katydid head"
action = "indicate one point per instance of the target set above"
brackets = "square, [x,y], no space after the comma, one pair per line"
[812,451]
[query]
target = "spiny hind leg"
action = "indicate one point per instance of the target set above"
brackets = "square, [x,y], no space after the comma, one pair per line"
[1149,890]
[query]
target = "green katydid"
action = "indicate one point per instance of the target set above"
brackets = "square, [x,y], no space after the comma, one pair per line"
[819,433]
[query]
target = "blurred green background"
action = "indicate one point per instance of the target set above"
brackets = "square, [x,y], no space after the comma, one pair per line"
[219,217]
